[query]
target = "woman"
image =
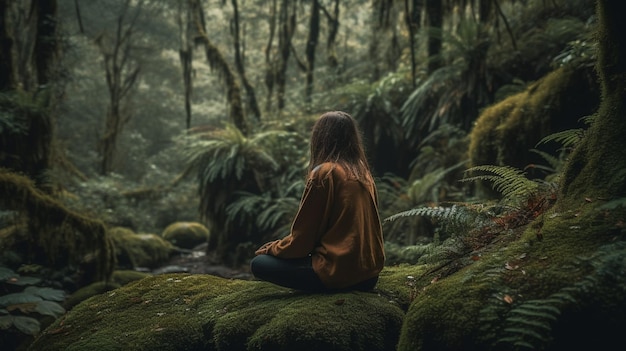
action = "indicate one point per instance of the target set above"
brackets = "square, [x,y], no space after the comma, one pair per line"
[336,240]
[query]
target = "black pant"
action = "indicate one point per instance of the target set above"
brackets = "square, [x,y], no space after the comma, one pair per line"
[296,274]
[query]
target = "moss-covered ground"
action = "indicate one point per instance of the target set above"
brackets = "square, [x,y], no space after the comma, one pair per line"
[203,312]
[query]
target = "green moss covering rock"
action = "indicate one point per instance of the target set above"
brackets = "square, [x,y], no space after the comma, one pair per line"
[505,132]
[134,250]
[186,235]
[560,286]
[204,312]
[118,279]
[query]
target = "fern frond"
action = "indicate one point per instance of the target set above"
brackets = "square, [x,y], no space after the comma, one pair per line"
[511,182]
[447,213]
[567,138]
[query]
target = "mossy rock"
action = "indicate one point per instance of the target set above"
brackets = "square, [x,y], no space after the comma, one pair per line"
[559,286]
[134,250]
[118,279]
[204,312]
[123,277]
[506,132]
[186,235]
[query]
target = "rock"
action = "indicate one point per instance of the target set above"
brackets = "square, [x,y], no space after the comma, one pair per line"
[186,235]
[205,312]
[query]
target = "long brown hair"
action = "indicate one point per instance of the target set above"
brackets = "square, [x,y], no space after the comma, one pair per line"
[336,138]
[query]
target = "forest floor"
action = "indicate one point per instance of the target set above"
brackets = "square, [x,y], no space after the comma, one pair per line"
[197,262]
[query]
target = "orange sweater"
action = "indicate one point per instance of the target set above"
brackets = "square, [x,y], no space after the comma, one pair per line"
[339,225]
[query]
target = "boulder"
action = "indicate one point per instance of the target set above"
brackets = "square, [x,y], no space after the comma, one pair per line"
[204,312]
[186,235]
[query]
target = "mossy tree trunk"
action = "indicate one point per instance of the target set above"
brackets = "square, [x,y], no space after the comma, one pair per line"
[597,168]
[28,53]
[218,62]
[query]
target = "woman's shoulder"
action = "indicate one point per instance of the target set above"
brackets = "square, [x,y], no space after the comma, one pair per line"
[327,169]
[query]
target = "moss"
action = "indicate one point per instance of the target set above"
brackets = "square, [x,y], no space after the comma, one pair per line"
[124,277]
[505,132]
[88,291]
[186,235]
[468,309]
[203,312]
[139,250]
[118,279]
[64,236]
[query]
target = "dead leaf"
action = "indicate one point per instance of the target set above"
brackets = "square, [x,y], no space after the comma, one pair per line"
[508,299]
[340,302]
[26,308]
[509,267]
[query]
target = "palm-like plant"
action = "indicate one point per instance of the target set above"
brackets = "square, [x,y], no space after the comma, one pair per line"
[227,163]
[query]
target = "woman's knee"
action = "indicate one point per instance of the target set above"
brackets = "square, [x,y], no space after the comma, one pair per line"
[260,264]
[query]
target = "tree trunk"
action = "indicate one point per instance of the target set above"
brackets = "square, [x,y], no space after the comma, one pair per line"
[270,70]
[287,25]
[434,10]
[597,168]
[251,102]
[217,61]
[185,54]
[28,52]
[121,75]
[311,45]
[412,13]
[333,29]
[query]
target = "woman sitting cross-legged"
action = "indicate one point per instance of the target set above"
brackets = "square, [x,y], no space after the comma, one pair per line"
[336,239]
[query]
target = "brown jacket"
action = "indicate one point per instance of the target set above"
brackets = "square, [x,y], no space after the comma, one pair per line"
[339,225]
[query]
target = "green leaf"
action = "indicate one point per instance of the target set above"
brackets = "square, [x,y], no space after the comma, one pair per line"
[27,325]
[18,298]
[49,294]
[21,281]
[6,273]
[6,322]
[49,308]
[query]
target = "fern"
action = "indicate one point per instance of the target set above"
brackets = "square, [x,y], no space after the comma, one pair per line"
[511,182]
[567,138]
[445,213]
[269,214]
[530,324]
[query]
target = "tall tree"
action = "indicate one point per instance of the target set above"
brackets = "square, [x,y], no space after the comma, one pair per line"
[413,18]
[185,53]
[270,62]
[333,29]
[384,45]
[286,30]
[434,12]
[311,45]
[251,102]
[122,70]
[282,22]
[28,55]
[218,62]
